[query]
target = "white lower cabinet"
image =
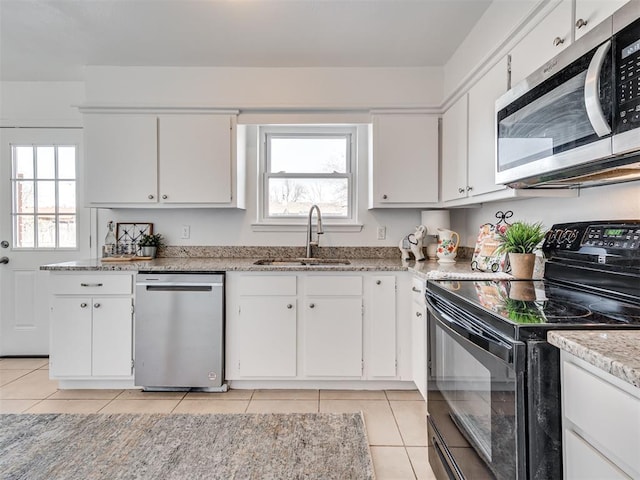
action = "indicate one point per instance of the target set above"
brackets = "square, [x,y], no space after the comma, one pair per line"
[91,334]
[419,336]
[311,326]
[601,423]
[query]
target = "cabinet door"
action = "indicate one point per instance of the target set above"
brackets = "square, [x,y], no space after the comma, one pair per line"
[546,40]
[454,150]
[482,129]
[419,346]
[333,336]
[70,337]
[112,336]
[383,327]
[267,336]
[404,168]
[590,13]
[195,158]
[121,158]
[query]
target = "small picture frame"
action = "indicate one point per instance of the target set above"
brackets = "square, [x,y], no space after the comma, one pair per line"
[484,257]
[130,233]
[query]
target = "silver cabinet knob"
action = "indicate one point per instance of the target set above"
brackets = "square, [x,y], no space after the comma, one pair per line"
[150,197]
[581,23]
[418,314]
[83,305]
[461,190]
[558,41]
[378,282]
[4,244]
[469,188]
[96,305]
[289,306]
[384,197]
[164,197]
[312,305]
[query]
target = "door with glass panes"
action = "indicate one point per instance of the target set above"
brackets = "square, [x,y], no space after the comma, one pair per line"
[41,222]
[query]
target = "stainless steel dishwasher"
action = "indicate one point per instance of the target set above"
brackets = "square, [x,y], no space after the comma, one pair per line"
[179,331]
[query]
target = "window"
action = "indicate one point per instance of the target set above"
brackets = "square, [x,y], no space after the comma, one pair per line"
[303,166]
[43,207]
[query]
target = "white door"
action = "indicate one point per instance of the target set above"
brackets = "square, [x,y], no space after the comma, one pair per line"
[40,222]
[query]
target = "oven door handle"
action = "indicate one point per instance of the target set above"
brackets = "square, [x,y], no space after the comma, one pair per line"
[592,92]
[494,346]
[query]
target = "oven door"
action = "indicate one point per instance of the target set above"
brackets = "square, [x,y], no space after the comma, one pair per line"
[476,421]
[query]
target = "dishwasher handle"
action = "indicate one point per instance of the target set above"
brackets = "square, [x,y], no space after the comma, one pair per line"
[179,287]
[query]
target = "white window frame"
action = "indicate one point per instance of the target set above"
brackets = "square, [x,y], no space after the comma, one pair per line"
[56,181]
[265,133]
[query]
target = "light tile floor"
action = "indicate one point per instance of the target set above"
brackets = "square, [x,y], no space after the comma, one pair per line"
[395,420]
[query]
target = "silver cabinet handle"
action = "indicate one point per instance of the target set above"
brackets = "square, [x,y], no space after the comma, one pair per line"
[378,282]
[417,290]
[164,197]
[150,197]
[96,305]
[418,314]
[91,284]
[4,260]
[289,306]
[312,305]
[558,41]
[581,23]
[83,305]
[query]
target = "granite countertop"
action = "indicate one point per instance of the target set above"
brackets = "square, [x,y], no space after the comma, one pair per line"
[614,351]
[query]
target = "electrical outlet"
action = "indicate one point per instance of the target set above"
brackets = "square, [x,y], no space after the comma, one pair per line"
[186,231]
[382,233]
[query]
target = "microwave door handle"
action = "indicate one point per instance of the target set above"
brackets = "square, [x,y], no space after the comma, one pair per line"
[592,91]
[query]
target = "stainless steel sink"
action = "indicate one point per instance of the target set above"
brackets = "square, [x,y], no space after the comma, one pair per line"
[300,262]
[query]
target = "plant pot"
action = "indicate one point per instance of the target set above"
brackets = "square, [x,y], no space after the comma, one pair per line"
[524,291]
[522,264]
[148,251]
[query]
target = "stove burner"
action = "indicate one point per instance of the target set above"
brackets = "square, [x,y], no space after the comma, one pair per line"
[623,312]
[554,309]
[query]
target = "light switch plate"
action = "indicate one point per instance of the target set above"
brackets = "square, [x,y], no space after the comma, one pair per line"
[186,231]
[382,233]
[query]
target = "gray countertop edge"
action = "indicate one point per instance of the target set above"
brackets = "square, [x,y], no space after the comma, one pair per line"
[616,352]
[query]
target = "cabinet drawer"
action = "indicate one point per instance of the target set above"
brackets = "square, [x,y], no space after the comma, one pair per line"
[603,412]
[333,285]
[583,461]
[268,285]
[99,284]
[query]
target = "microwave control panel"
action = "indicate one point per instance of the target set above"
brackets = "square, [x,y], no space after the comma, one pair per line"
[628,77]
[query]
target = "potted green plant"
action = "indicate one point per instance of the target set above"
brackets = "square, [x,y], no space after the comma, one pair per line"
[520,241]
[149,244]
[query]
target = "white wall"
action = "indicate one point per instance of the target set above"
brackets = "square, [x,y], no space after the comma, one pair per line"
[611,202]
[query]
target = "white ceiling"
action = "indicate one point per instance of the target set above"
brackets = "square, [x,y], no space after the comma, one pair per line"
[53,39]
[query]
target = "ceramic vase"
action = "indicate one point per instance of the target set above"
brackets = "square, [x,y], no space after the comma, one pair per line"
[448,242]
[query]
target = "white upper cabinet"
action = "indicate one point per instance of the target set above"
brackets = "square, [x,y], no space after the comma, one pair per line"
[403,167]
[454,150]
[590,13]
[147,160]
[482,129]
[549,37]
[195,158]
[121,159]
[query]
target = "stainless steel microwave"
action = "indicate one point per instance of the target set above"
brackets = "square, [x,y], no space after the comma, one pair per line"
[576,120]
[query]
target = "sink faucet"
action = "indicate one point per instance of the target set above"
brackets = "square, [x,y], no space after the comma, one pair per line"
[319,231]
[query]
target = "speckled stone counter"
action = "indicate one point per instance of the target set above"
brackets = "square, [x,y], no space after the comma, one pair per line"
[613,351]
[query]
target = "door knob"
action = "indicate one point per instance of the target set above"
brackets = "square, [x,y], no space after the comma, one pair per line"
[4,244]
[4,260]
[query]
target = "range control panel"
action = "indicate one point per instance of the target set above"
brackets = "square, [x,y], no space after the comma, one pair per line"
[605,235]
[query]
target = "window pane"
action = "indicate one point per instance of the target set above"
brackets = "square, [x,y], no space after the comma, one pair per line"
[293,197]
[23,197]
[23,162]
[67,162]
[309,155]
[46,163]
[46,197]
[67,230]
[67,197]
[46,231]
[23,229]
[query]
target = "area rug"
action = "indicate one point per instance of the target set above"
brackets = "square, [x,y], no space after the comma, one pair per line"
[167,446]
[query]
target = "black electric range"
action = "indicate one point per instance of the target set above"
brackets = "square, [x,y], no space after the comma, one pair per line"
[494,381]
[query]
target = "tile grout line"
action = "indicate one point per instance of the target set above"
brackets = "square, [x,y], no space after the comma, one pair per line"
[404,445]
